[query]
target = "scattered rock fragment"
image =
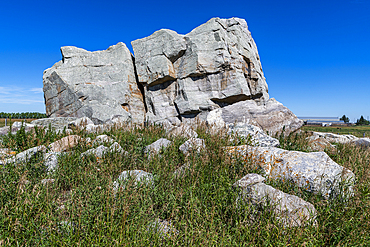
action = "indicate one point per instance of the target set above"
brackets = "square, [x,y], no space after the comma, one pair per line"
[315,171]
[193,144]
[65,143]
[289,209]
[138,176]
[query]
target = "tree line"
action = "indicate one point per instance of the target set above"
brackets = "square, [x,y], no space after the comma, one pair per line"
[22,115]
[361,121]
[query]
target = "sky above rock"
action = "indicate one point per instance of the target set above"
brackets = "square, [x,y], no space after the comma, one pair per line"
[315,54]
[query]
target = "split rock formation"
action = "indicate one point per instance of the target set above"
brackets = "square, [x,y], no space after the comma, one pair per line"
[171,79]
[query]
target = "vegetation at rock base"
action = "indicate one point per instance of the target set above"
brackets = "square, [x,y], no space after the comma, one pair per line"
[80,208]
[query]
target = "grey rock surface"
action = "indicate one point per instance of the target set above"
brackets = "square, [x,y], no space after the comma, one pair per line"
[101,139]
[181,171]
[315,172]
[289,209]
[363,142]
[26,155]
[51,161]
[80,122]
[193,144]
[334,138]
[97,85]
[156,146]
[320,144]
[139,177]
[214,65]
[271,116]
[54,122]
[182,130]
[257,135]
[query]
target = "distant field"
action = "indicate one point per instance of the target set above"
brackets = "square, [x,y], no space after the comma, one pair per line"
[2,121]
[352,130]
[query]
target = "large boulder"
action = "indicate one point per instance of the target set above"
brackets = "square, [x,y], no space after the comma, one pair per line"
[97,85]
[271,116]
[315,172]
[214,65]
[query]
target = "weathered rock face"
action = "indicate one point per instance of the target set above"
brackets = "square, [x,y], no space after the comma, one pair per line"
[271,116]
[214,65]
[97,85]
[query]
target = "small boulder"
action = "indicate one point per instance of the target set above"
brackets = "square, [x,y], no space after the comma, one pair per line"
[140,178]
[182,130]
[195,144]
[163,228]
[320,144]
[289,209]
[51,161]
[65,143]
[156,146]
[258,136]
[362,142]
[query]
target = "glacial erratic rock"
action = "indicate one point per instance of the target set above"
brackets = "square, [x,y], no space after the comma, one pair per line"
[97,85]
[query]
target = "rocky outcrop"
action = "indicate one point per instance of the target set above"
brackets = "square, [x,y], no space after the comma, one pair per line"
[214,65]
[316,172]
[97,85]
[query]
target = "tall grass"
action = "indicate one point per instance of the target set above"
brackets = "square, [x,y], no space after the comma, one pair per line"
[81,209]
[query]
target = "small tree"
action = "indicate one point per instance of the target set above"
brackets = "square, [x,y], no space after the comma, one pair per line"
[362,121]
[345,119]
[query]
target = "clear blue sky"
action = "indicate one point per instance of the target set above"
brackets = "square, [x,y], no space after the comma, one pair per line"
[315,54]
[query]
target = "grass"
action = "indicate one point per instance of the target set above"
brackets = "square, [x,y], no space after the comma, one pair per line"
[358,131]
[80,208]
[2,121]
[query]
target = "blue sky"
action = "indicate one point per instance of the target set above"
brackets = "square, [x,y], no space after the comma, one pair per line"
[315,54]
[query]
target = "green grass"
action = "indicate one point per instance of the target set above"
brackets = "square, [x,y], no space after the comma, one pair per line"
[201,205]
[352,130]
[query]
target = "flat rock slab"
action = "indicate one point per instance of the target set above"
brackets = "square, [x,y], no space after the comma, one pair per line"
[334,138]
[56,122]
[315,172]
[289,209]
[65,143]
